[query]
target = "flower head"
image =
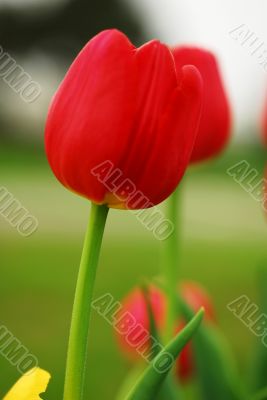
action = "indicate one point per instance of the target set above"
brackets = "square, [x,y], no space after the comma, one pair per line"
[215,122]
[129,109]
[135,304]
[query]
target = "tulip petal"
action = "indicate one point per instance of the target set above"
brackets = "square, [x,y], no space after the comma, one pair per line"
[93,110]
[179,123]
[29,386]
[156,82]
[215,123]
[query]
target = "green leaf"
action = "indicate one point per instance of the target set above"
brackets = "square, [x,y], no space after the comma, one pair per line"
[130,381]
[152,323]
[150,382]
[169,390]
[262,395]
[216,370]
[258,364]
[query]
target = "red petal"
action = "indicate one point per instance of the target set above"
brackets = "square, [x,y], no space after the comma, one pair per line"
[215,123]
[156,82]
[175,137]
[99,84]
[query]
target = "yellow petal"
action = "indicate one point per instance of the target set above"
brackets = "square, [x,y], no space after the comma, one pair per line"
[29,386]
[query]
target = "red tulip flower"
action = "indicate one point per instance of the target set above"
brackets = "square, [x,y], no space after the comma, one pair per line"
[135,305]
[215,123]
[123,122]
[196,297]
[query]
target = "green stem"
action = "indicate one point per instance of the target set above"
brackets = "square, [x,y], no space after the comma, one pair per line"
[77,350]
[170,260]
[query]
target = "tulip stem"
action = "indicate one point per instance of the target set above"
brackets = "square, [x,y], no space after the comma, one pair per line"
[77,350]
[170,260]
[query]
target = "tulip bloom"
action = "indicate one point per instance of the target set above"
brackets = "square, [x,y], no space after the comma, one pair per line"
[123,122]
[135,305]
[29,386]
[215,123]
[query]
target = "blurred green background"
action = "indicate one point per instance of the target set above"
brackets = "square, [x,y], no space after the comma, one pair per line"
[224,229]
[224,241]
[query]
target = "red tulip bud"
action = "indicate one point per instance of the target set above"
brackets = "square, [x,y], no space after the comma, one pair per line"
[123,122]
[135,305]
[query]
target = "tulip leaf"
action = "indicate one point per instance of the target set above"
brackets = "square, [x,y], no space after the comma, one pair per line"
[152,379]
[258,364]
[152,323]
[169,390]
[130,381]
[216,370]
[262,395]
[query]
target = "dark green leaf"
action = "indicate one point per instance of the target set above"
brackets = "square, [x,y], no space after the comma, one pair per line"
[258,364]
[262,395]
[169,390]
[150,382]
[216,370]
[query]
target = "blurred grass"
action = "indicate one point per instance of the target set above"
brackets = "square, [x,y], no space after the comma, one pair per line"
[224,241]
